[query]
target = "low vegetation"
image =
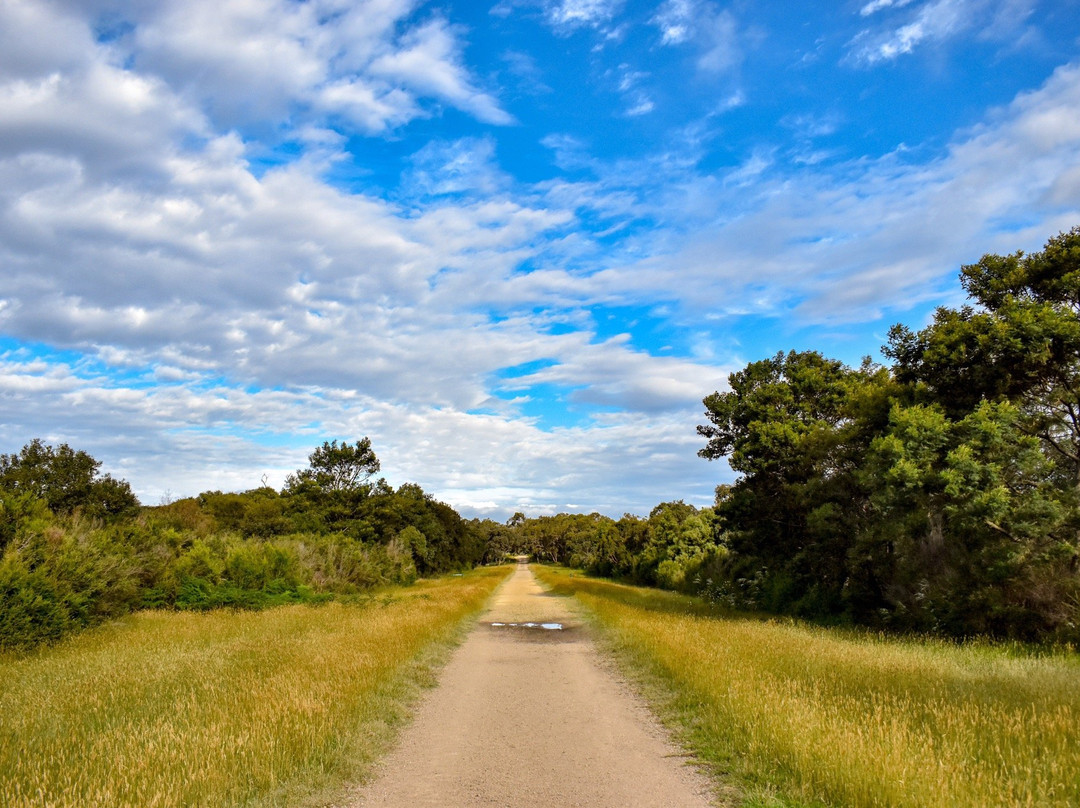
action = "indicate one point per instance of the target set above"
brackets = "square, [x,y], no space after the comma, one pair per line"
[224,708]
[802,715]
[76,549]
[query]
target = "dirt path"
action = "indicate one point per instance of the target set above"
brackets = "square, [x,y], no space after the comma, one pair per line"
[530,716]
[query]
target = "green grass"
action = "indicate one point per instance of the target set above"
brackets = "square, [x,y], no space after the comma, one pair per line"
[274,708]
[796,715]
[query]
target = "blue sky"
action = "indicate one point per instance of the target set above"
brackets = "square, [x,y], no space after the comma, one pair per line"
[513,242]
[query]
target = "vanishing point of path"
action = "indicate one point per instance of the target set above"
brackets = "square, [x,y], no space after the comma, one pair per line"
[530,716]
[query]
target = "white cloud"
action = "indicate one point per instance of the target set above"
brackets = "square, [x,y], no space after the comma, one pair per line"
[935,21]
[232,315]
[811,241]
[675,20]
[613,374]
[570,14]
[250,62]
[428,61]
[714,32]
[217,437]
[25,53]
[467,165]
[852,241]
[629,83]
[373,110]
[878,5]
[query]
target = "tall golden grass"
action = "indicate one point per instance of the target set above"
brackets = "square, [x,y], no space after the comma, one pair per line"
[809,715]
[223,708]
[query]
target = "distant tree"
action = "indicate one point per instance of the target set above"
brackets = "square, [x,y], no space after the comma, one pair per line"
[336,468]
[66,480]
[499,540]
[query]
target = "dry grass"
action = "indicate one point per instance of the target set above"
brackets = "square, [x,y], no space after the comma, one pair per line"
[802,715]
[224,708]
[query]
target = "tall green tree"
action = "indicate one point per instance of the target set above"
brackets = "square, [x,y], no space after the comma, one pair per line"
[796,427]
[1019,343]
[986,468]
[336,468]
[973,534]
[66,480]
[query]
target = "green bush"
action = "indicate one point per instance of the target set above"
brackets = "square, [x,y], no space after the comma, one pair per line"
[84,562]
[33,611]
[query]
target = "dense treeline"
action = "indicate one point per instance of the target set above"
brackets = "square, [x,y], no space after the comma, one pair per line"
[77,549]
[940,494]
[677,547]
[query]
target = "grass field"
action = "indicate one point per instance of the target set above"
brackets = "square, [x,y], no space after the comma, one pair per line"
[795,715]
[273,708]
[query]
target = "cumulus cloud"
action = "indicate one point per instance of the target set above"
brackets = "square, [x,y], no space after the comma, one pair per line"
[231,313]
[247,62]
[232,439]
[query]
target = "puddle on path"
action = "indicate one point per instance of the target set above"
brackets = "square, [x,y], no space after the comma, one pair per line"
[534,630]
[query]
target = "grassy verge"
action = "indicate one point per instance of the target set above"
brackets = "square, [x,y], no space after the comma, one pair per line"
[797,715]
[270,708]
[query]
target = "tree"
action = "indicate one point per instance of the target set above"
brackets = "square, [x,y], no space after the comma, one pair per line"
[978,535]
[1021,343]
[796,426]
[336,468]
[944,495]
[66,480]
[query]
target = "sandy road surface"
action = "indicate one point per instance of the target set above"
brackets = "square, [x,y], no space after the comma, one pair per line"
[532,717]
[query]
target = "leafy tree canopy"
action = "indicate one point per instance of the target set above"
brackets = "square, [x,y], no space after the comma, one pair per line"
[336,468]
[66,480]
[1021,343]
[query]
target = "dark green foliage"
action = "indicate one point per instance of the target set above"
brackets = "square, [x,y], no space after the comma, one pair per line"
[33,612]
[943,495]
[335,468]
[330,533]
[66,481]
[797,427]
[675,547]
[500,542]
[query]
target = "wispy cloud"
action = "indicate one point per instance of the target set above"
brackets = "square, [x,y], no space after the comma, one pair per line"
[712,30]
[567,15]
[933,21]
[863,238]
[878,5]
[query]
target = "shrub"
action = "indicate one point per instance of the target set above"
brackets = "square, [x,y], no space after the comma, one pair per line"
[34,612]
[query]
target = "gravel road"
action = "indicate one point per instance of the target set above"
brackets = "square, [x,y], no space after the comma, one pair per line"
[528,715]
